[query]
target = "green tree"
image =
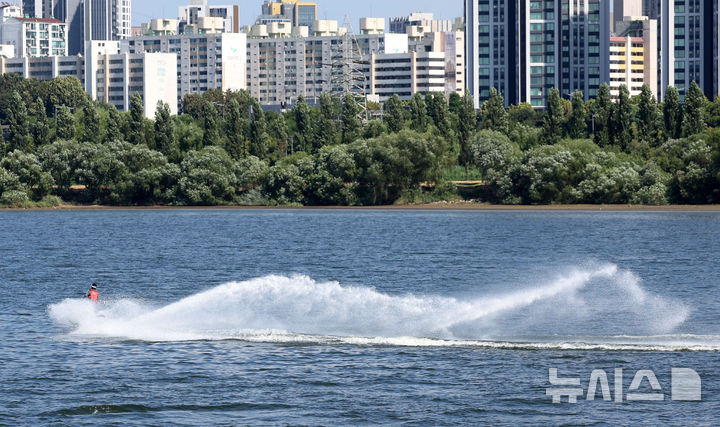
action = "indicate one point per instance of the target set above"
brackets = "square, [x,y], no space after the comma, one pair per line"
[440,112]
[467,125]
[210,125]
[91,124]
[207,178]
[621,122]
[41,127]
[137,119]
[601,112]
[418,113]
[712,113]
[455,103]
[258,132]
[252,172]
[494,114]
[394,117]
[647,118]
[67,91]
[554,118]
[19,137]
[694,111]
[65,123]
[235,124]
[279,132]
[29,171]
[672,114]
[303,125]
[165,131]
[577,126]
[351,123]
[3,146]
[494,154]
[61,159]
[325,128]
[113,125]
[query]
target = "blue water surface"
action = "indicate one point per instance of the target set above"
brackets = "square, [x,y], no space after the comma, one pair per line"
[228,317]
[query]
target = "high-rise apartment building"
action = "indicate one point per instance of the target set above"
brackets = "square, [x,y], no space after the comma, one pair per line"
[39,8]
[73,13]
[32,37]
[623,9]
[634,55]
[425,21]
[192,14]
[585,45]
[108,75]
[107,19]
[300,13]
[204,61]
[688,45]
[92,20]
[32,8]
[374,65]
[113,77]
[524,48]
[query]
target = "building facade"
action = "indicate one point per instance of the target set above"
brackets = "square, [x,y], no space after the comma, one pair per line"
[107,75]
[204,61]
[525,48]
[627,62]
[107,19]
[72,12]
[44,68]
[280,70]
[688,45]
[113,77]
[585,46]
[300,13]
[426,22]
[32,37]
[634,55]
[193,14]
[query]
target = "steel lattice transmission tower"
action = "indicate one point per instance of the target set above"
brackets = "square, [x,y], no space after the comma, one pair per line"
[348,69]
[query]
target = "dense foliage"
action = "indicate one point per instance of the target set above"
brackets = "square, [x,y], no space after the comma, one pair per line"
[225,149]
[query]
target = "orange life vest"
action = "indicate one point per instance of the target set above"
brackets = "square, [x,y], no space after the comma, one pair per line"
[93,295]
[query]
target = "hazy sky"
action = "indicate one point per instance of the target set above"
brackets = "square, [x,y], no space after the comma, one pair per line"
[144,10]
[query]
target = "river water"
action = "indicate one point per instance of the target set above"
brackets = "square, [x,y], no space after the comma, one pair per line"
[226,317]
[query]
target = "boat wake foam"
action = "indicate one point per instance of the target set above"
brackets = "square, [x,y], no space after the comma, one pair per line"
[599,308]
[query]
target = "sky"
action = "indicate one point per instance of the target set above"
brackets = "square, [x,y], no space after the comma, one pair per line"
[144,10]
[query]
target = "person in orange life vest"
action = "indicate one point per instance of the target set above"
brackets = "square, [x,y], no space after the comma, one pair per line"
[93,292]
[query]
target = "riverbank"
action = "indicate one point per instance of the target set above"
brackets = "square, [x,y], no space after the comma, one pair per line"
[449,206]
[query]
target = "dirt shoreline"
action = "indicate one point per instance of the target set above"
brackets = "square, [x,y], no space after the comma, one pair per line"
[440,206]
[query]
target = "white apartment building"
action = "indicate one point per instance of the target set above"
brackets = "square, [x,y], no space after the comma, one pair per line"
[44,68]
[107,75]
[204,61]
[626,64]
[152,75]
[420,22]
[279,70]
[191,15]
[34,37]
[405,74]
[452,44]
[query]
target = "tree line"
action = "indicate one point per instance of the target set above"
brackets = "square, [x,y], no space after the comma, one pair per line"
[225,149]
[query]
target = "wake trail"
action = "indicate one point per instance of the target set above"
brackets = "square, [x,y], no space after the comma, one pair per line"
[299,309]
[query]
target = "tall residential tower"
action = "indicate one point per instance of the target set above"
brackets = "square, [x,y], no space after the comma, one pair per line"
[524,48]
